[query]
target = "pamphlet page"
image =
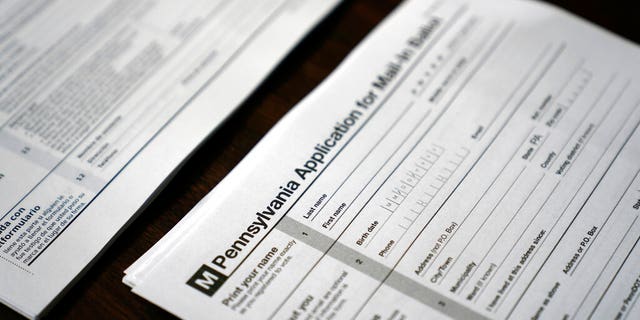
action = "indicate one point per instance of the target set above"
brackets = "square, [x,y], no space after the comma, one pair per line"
[470,159]
[100,101]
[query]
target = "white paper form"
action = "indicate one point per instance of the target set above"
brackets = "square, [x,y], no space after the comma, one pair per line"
[100,102]
[470,159]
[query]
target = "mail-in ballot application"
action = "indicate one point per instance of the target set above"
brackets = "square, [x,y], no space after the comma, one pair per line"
[469,160]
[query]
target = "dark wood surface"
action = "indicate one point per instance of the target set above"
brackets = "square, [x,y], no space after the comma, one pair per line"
[100,293]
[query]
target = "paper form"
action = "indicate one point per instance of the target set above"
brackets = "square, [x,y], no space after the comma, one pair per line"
[470,160]
[100,102]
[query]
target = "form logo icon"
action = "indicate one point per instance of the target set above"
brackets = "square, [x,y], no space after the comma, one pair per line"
[207,280]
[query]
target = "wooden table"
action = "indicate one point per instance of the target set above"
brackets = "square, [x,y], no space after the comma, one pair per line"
[100,293]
